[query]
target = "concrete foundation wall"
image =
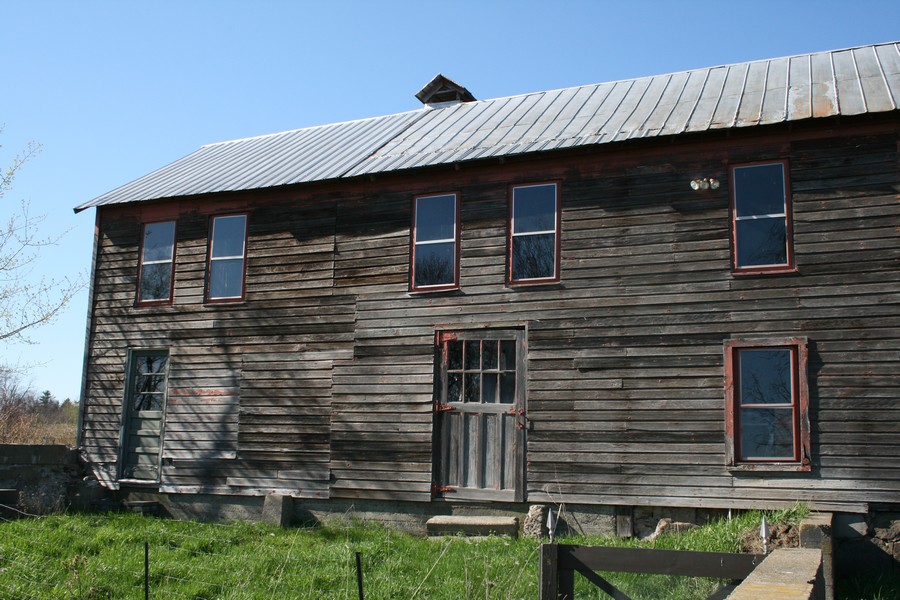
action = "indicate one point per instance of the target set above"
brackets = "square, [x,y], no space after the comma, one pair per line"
[46,478]
[578,519]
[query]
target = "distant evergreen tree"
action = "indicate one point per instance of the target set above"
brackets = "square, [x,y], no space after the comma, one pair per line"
[46,399]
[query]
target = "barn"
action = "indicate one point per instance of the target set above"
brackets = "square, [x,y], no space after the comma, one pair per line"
[672,293]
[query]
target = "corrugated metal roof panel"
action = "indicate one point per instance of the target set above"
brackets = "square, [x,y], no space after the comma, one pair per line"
[841,82]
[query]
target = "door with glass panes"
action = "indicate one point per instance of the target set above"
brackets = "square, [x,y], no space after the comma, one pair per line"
[480,415]
[144,411]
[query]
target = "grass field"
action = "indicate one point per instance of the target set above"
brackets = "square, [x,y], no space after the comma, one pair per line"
[102,556]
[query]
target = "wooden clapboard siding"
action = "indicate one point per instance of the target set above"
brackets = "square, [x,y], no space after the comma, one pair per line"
[626,354]
[321,383]
[238,421]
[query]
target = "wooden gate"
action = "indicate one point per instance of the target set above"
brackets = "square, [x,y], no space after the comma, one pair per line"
[480,415]
[560,562]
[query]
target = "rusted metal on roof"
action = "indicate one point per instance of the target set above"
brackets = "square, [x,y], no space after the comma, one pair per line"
[842,82]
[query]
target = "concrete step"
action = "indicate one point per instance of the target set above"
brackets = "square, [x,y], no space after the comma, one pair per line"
[467,525]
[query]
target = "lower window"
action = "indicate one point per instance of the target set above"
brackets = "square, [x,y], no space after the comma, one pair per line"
[767,403]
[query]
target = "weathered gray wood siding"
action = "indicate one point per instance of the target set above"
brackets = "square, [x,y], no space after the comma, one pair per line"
[249,391]
[625,356]
[326,372]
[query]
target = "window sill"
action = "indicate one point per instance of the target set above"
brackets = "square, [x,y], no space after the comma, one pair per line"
[426,292]
[537,283]
[773,467]
[765,272]
[216,303]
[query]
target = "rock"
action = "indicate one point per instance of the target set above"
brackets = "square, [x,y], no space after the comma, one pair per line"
[781,535]
[535,525]
[667,526]
[888,530]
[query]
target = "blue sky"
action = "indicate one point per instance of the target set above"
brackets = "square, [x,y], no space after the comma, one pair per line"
[113,90]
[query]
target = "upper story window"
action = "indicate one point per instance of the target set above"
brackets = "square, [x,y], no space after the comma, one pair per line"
[767,402]
[156,265]
[435,243]
[761,218]
[227,255]
[534,234]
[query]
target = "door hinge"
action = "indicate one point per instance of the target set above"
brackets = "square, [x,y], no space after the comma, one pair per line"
[438,489]
[520,423]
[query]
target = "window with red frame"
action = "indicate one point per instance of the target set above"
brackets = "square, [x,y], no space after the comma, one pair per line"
[534,234]
[767,401]
[435,244]
[157,261]
[227,255]
[761,223]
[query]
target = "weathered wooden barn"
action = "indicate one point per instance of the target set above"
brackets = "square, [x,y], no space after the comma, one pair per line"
[672,291]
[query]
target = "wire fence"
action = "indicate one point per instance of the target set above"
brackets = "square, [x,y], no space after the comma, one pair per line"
[124,555]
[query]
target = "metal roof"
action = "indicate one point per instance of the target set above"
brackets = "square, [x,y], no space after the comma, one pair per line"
[823,84]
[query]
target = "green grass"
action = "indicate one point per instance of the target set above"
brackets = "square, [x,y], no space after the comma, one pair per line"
[102,556]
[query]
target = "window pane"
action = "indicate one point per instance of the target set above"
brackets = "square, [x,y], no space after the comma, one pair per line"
[435,218]
[508,355]
[489,355]
[765,376]
[473,355]
[435,264]
[767,433]
[508,388]
[228,236]
[534,208]
[226,278]
[762,242]
[473,389]
[159,241]
[759,190]
[454,387]
[534,257]
[156,282]
[489,387]
[149,383]
[151,363]
[454,349]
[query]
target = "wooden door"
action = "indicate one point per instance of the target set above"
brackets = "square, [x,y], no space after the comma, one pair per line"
[143,420]
[480,415]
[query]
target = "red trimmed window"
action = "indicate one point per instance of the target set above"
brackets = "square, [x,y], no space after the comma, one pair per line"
[761,218]
[227,258]
[435,243]
[767,403]
[155,280]
[534,219]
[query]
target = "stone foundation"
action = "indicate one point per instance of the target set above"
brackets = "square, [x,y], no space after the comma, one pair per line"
[867,543]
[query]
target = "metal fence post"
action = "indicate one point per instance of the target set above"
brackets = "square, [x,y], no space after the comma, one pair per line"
[359,576]
[146,570]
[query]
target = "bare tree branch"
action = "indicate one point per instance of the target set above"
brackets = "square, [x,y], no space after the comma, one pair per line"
[27,301]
